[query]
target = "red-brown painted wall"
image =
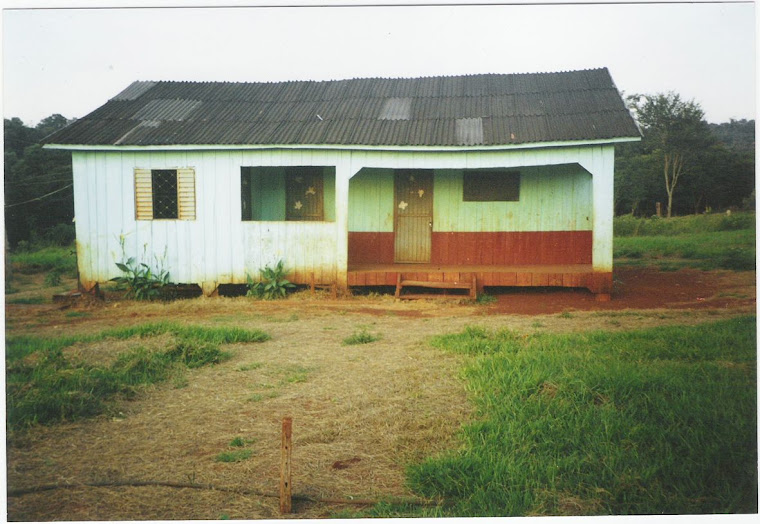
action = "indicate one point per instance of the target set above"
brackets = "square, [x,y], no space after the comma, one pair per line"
[498,249]
[512,249]
[370,248]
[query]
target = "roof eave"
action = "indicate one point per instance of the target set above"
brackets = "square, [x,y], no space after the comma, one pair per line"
[342,147]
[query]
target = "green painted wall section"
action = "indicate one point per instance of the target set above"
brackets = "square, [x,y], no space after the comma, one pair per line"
[552,198]
[370,201]
[268,194]
[328,185]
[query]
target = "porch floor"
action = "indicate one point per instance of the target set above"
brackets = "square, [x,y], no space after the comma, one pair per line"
[574,275]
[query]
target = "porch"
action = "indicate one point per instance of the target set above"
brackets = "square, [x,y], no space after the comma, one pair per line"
[570,275]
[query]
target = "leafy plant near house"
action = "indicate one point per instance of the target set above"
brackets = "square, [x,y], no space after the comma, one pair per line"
[142,282]
[273,283]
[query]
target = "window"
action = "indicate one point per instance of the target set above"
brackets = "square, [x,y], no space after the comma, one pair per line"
[165,194]
[491,186]
[164,185]
[287,193]
[304,198]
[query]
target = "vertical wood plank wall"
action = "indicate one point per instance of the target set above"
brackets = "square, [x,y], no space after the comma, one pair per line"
[219,247]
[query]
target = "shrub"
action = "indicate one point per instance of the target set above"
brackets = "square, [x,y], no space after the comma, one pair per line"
[60,235]
[53,278]
[737,258]
[142,282]
[273,283]
[737,221]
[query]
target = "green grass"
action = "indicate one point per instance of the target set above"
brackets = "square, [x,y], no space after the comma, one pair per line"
[712,250]
[26,300]
[485,299]
[250,367]
[239,442]
[627,225]
[77,314]
[44,386]
[53,258]
[237,455]
[699,241]
[644,422]
[361,337]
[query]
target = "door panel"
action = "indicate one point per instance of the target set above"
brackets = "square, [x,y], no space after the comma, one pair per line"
[414,215]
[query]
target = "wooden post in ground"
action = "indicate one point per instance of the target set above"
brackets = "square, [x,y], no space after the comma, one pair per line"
[285,476]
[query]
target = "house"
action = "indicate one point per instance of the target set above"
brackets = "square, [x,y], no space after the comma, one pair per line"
[494,179]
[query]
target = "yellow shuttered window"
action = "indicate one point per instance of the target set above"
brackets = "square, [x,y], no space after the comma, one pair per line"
[186,193]
[165,194]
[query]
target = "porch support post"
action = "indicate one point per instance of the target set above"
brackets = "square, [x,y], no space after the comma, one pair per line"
[343,173]
[603,175]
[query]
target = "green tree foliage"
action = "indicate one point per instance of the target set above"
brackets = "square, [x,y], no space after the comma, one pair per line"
[675,132]
[635,188]
[38,184]
[738,135]
[682,160]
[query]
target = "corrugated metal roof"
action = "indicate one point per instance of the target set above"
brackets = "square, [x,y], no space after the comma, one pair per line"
[471,110]
[469,131]
[396,109]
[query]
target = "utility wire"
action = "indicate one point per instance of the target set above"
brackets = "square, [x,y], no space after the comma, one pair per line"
[39,198]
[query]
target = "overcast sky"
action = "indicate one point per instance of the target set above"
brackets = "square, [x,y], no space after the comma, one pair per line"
[71,61]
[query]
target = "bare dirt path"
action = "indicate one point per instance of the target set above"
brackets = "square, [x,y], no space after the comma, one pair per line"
[360,412]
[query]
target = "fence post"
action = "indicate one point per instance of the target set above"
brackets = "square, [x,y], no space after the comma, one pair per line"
[285,476]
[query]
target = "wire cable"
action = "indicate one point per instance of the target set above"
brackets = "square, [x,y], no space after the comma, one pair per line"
[39,198]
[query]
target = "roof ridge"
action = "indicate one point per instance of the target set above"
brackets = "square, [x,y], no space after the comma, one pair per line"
[356,78]
[377,97]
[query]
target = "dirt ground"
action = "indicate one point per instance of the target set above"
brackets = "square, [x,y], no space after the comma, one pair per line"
[360,412]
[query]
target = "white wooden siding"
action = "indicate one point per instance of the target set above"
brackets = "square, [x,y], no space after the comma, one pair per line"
[219,247]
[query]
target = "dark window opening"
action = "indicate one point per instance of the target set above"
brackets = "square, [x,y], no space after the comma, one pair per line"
[164,183]
[491,186]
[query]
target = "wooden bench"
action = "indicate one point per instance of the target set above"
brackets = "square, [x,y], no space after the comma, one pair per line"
[314,285]
[471,286]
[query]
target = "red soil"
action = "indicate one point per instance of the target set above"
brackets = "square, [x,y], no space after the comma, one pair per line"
[636,288]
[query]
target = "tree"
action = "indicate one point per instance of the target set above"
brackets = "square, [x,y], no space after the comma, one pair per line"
[736,135]
[38,192]
[636,190]
[675,132]
[50,125]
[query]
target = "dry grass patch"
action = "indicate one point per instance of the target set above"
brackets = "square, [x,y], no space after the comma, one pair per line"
[371,408]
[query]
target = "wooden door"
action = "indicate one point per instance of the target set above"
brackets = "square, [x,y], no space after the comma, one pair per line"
[413,216]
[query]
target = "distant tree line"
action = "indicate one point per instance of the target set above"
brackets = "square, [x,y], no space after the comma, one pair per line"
[39,198]
[686,164]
